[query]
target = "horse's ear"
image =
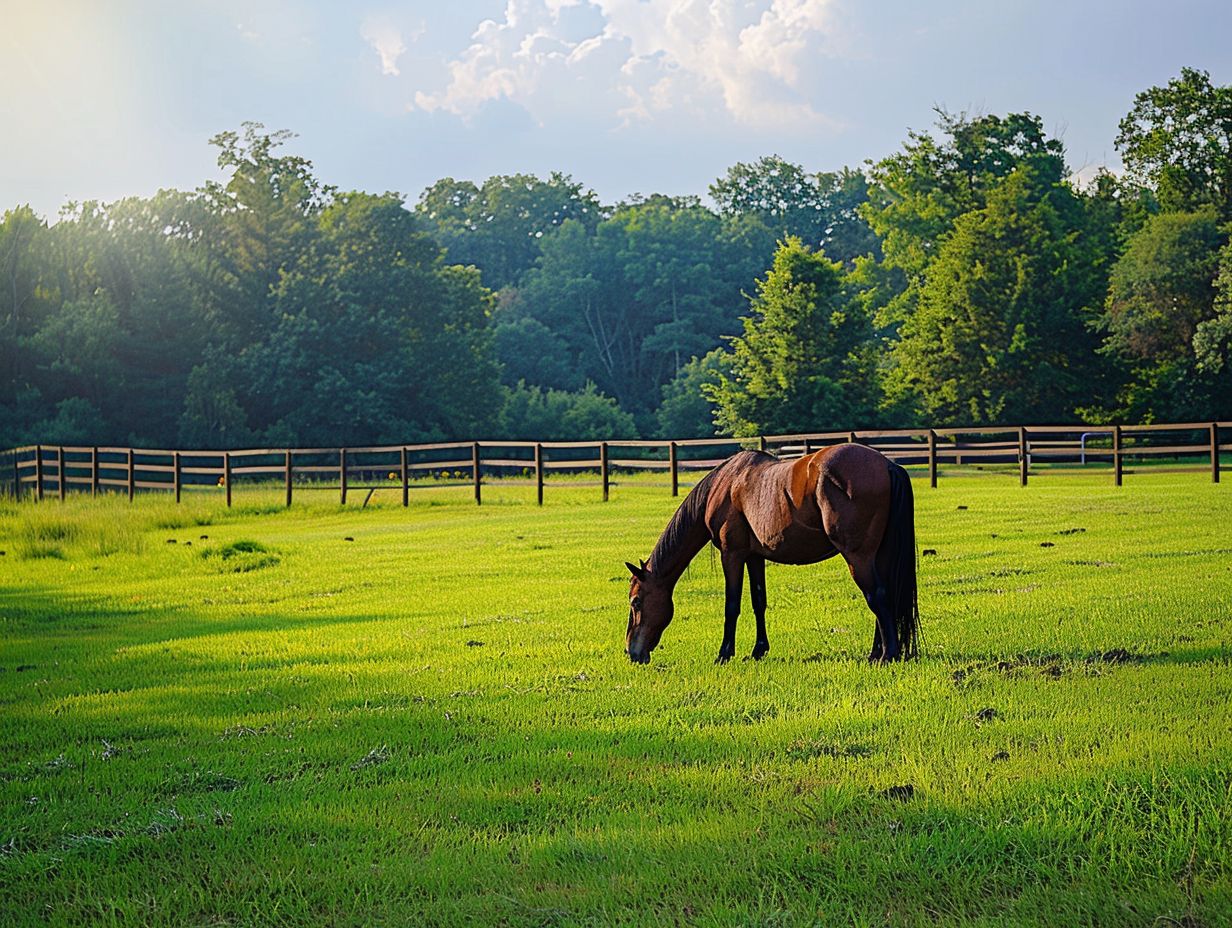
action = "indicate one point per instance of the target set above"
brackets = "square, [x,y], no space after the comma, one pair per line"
[638,572]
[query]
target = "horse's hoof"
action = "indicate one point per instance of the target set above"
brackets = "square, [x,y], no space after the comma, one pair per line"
[760,652]
[722,658]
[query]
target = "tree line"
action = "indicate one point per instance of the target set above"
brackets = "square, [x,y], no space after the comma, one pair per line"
[963,280]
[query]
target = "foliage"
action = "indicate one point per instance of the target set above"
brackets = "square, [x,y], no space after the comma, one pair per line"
[1178,139]
[371,331]
[533,414]
[498,226]
[1000,333]
[1163,286]
[529,351]
[917,195]
[1213,337]
[975,281]
[686,410]
[803,362]
[821,209]
[1161,291]
[656,284]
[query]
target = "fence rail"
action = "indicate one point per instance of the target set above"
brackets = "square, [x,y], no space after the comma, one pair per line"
[37,471]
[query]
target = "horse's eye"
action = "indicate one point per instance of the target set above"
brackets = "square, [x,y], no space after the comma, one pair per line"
[637,602]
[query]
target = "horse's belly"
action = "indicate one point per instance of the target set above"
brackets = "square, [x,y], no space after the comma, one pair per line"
[796,545]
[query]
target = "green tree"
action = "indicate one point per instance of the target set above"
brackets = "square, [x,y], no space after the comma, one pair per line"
[686,412]
[498,227]
[1161,291]
[25,302]
[657,283]
[804,360]
[264,219]
[1178,139]
[917,195]
[530,352]
[377,339]
[1213,337]
[212,416]
[134,280]
[1000,333]
[532,414]
[820,209]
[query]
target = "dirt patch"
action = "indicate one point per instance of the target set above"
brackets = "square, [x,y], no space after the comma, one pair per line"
[240,557]
[1116,656]
[372,758]
[807,750]
[902,793]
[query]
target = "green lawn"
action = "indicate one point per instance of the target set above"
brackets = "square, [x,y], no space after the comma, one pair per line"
[425,716]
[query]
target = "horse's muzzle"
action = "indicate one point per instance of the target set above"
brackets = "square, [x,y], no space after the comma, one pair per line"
[639,657]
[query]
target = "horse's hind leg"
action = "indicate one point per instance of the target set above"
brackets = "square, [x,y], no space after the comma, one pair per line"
[885,638]
[878,650]
[757,592]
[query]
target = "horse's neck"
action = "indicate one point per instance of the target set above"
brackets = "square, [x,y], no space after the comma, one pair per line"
[670,564]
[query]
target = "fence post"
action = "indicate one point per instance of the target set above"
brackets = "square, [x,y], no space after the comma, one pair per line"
[761,442]
[175,473]
[1214,452]
[476,474]
[932,459]
[60,471]
[673,461]
[342,475]
[539,471]
[808,447]
[1116,454]
[1022,456]
[405,482]
[94,471]
[226,475]
[16,477]
[132,477]
[289,475]
[603,468]
[851,437]
[38,472]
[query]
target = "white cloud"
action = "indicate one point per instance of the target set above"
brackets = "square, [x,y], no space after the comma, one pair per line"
[637,61]
[386,40]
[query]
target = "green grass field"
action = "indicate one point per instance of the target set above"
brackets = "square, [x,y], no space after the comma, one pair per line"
[425,716]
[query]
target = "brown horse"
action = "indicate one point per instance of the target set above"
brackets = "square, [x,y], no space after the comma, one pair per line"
[847,499]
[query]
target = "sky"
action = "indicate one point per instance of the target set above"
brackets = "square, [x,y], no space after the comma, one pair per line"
[110,98]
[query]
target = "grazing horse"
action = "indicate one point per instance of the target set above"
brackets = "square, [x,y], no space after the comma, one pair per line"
[847,499]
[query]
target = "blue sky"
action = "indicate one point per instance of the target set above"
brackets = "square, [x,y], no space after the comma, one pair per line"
[108,98]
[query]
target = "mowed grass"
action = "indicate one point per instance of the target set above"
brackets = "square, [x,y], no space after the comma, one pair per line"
[425,716]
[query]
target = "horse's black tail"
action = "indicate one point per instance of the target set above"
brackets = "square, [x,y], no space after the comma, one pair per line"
[896,563]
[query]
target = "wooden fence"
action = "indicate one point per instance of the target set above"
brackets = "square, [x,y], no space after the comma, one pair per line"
[38,471]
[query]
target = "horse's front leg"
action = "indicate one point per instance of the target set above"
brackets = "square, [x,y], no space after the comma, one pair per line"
[757,592]
[733,577]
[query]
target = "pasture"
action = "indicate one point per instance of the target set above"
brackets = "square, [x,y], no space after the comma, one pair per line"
[340,716]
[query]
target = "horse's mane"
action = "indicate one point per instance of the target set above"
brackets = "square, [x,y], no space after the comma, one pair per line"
[691,511]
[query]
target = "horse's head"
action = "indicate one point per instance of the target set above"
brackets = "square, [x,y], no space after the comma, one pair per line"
[650,609]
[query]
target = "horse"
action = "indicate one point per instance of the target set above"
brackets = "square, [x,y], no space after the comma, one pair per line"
[846,499]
